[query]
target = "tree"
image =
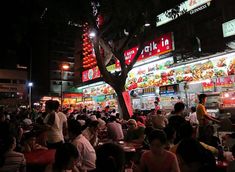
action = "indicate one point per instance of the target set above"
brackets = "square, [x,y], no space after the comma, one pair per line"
[123,26]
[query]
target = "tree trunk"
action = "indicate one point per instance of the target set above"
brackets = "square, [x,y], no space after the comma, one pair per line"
[122,104]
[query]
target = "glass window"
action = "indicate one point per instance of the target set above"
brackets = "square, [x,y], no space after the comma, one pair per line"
[5,81]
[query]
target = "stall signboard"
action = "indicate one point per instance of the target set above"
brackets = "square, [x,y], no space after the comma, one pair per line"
[88,99]
[72,95]
[100,98]
[169,89]
[90,74]
[229,28]
[184,7]
[94,73]
[79,99]
[160,45]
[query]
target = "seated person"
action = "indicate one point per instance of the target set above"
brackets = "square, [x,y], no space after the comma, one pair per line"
[157,158]
[11,160]
[110,158]
[86,151]
[66,157]
[91,132]
[231,166]
[186,131]
[114,129]
[170,135]
[30,143]
[193,157]
[159,121]
[134,133]
[209,138]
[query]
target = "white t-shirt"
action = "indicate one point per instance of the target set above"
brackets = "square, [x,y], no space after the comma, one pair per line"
[55,134]
[193,118]
[86,151]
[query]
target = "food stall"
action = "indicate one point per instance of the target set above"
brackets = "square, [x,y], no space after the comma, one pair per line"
[98,96]
[209,75]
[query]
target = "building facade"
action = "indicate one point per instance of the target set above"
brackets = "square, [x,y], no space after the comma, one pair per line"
[13,86]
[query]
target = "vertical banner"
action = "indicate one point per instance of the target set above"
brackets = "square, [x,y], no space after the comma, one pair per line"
[127,100]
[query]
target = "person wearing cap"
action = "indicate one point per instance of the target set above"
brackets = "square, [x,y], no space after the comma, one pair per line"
[135,133]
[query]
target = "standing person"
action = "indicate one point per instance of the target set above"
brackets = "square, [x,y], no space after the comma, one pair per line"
[192,118]
[113,113]
[202,115]
[156,103]
[157,158]
[176,118]
[11,161]
[54,122]
[63,119]
[87,152]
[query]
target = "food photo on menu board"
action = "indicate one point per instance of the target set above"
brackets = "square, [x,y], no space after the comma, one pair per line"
[160,73]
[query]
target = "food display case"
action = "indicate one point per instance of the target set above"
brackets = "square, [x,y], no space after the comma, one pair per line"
[227,99]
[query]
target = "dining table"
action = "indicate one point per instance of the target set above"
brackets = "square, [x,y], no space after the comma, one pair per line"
[38,160]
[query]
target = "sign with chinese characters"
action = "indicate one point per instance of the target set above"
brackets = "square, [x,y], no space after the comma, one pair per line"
[90,74]
[229,28]
[182,9]
[158,46]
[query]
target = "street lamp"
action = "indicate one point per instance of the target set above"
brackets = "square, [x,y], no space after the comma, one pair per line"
[63,68]
[92,34]
[30,85]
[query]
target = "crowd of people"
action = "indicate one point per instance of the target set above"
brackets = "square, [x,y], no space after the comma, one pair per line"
[170,142]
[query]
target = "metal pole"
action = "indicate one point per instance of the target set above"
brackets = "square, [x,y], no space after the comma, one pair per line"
[61,90]
[30,98]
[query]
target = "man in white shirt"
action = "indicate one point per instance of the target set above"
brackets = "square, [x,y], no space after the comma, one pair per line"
[192,118]
[86,151]
[114,129]
[57,124]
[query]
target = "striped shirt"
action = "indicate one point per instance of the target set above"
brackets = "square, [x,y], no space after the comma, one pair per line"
[14,162]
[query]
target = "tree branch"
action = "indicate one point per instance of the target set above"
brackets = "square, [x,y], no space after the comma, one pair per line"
[107,49]
[140,48]
[100,62]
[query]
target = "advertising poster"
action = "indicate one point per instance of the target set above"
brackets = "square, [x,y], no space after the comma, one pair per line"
[127,100]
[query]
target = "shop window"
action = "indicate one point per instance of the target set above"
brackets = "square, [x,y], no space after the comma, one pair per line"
[22,81]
